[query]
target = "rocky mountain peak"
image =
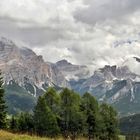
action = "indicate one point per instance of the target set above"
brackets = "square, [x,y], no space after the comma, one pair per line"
[137,59]
[63,62]
[71,71]
[28,70]
[6,41]
[26,51]
[108,68]
[115,84]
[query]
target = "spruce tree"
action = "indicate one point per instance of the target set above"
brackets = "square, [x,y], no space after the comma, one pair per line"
[3,107]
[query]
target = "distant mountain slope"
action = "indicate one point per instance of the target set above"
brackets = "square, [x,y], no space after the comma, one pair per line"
[72,72]
[18,99]
[130,124]
[117,85]
[24,67]
[27,76]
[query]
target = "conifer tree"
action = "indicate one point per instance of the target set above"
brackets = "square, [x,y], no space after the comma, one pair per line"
[3,107]
[110,123]
[13,124]
[72,120]
[45,121]
[91,109]
[25,122]
[52,100]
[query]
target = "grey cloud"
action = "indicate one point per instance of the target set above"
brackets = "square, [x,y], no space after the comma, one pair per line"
[40,36]
[32,36]
[100,10]
[61,36]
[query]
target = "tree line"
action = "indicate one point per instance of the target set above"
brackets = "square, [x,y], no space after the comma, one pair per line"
[64,114]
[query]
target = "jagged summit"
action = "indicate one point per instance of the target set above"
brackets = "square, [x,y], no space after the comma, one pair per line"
[26,51]
[115,84]
[23,66]
[63,62]
[28,70]
[72,72]
[6,41]
[137,59]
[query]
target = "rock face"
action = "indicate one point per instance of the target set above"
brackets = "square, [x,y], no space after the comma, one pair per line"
[72,72]
[24,67]
[115,85]
[29,74]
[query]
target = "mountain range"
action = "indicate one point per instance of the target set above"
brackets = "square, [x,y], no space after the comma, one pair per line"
[27,76]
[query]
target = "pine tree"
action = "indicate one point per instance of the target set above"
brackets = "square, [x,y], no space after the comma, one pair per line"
[45,121]
[25,123]
[110,123]
[71,118]
[91,109]
[52,100]
[13,124]
[3,107]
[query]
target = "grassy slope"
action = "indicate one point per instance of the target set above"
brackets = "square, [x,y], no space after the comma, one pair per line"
[122,137]
[9,136]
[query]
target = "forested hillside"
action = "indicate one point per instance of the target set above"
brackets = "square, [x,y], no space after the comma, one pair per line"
[130,124]
[64,114]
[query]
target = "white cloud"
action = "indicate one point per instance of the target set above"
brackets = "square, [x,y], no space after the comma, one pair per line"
[45,13]
[95,33]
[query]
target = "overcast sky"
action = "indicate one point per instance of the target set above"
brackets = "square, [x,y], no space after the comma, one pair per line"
[91,32]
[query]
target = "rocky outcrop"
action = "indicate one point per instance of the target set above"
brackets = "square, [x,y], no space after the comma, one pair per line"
[24,71]
[24,67]
[71,71]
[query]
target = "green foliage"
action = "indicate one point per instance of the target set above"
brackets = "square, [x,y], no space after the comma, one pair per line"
[69,115]
[45,121]
[91,109]
[130,124]
[3,107]
[17,99]
[25,122]
[13,125]
[52,100]
[22,122]
[72,119]
[110,122]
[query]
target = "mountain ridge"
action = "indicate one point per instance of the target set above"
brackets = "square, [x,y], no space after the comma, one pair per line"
[114,84]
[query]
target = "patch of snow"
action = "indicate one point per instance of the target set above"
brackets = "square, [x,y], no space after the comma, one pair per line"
[102,99]
[116,96]
[137,79]
[11,62]
[132,95]
[71,77]
[40,86]
[34,91]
